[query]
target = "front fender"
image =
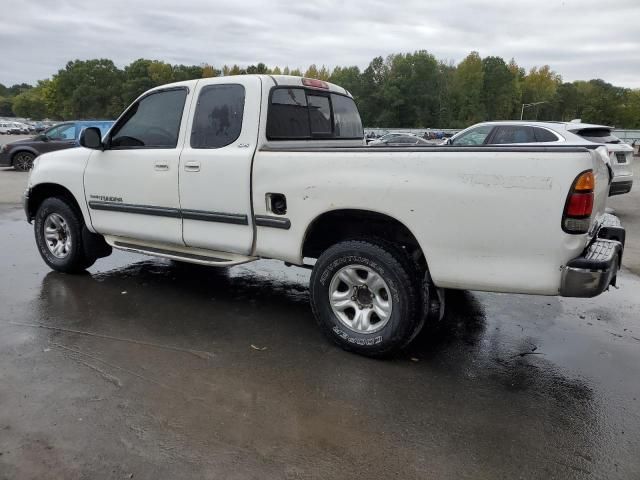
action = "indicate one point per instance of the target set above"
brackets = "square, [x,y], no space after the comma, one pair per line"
[62,169]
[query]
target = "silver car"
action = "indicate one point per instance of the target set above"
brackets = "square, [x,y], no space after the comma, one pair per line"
[555,133]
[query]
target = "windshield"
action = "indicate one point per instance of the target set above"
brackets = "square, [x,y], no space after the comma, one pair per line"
[597,135]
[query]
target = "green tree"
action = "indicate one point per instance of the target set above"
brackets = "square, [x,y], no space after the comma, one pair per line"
[348,78]
[89,89]
[312,71]
[187,72]
[467,91]
[566,102]
[6,106]
[207,71]
[540,85]
[498,89]
[30,104]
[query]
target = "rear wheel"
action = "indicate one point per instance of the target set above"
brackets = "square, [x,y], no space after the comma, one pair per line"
[58,231]
[23,161]
[365,297]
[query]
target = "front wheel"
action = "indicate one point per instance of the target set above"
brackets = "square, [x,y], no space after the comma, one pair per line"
[365,297]
[58,231]
[23,161]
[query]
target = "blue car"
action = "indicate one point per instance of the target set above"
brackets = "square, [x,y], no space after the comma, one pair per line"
[21,153]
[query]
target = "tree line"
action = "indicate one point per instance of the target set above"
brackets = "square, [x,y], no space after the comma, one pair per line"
[411,90]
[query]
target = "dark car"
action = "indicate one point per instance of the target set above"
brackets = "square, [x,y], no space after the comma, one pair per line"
[21,153]
[401,141]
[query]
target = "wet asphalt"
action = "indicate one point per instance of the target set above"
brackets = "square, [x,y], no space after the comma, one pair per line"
[144,368]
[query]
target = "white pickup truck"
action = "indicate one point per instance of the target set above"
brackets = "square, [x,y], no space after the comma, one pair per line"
[227,170]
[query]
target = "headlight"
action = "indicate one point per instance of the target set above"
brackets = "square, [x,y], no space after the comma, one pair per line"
[4,148]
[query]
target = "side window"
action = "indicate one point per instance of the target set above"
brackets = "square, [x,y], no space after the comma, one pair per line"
[319,114]
[153,122]
[475,136]
[513,134]
[544,135]
[218,118]
[62,132]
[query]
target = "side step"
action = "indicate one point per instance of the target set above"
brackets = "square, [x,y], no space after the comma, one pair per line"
[180,253]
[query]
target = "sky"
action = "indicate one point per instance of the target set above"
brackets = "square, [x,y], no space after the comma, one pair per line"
[579,39]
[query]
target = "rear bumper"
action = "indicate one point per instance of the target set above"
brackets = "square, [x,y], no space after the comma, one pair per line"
[620,187]
[596,269]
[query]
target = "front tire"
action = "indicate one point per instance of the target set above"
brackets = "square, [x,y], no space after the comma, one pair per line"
[23,161]
[58,231]
[365,297]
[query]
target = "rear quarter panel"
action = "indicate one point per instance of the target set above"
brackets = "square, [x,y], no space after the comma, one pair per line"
[486,220]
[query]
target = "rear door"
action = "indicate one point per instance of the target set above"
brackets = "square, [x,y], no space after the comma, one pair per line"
[215,165]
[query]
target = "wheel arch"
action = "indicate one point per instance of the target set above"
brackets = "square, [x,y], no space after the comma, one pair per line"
[23,149]
[334,226]
[39,193]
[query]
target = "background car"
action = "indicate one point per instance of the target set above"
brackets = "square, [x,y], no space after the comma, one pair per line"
[21,153]
[554,133]
[5,128]
[400,141]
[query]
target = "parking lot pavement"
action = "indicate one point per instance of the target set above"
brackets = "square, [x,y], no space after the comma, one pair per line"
[159,370]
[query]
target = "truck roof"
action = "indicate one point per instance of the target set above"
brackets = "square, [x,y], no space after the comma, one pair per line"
[287,80]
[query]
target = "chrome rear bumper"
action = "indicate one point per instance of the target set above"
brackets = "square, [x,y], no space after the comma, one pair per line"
[596,269]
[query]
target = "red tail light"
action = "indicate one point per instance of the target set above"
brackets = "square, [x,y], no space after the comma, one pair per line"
[579,206]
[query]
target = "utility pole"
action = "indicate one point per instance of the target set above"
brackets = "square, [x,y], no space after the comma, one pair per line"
[528,105]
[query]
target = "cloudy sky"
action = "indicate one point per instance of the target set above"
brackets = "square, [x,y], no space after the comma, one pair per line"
[580,39]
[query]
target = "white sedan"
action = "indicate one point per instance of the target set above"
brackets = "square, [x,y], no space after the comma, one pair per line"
[554,133]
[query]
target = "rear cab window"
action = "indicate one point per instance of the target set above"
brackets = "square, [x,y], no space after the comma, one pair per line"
[297,113]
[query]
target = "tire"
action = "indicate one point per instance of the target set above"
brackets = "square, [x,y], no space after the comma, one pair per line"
[23,161]
[58,231]
[375,321]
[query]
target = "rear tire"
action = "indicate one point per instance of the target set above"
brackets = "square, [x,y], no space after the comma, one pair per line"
[365,297]
[58,231]
[23,161]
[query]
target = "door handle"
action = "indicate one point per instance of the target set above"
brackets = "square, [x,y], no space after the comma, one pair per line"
[192,166]
[161,166]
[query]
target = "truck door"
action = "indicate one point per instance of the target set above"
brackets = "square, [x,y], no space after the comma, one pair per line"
[215,165]
[132,186]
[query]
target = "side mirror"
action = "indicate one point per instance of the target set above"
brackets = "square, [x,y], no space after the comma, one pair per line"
[91,138]
[42,138]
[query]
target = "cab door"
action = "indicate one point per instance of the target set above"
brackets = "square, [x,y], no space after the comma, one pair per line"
[215,165]
[132,186]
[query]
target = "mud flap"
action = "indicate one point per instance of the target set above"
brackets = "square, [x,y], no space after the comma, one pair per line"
[94,245]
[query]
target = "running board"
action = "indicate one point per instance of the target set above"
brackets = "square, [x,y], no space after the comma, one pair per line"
[180,253]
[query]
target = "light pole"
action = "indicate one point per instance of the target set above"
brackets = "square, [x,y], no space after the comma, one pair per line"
[529,105]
